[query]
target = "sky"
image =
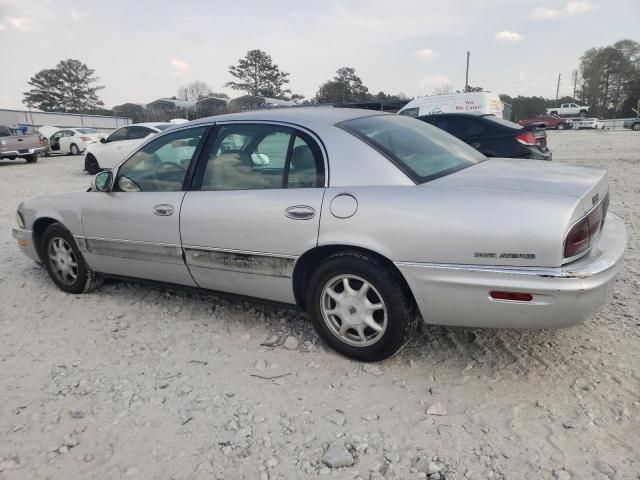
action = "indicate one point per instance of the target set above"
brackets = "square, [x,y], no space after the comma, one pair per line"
[144,50]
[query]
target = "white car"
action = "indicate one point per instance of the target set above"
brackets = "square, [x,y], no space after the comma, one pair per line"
[67,141]
[592,123]
[115,148]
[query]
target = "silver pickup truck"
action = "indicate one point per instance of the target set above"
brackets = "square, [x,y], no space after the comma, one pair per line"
[28,146]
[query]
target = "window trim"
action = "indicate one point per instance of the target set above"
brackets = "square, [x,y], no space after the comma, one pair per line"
[315,143]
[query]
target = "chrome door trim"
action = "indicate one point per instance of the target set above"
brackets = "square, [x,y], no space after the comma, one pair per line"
[132,249]
[254,263]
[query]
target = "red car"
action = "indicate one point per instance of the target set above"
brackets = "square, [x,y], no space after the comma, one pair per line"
[550,121]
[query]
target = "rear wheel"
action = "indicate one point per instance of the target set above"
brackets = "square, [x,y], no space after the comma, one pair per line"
[561,126]
[553,113]
[360,306]
[74,149]
[33,158]
[91,164]
[64,262]
[635,127]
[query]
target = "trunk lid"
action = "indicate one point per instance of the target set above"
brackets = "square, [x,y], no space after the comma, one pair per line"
[586,184]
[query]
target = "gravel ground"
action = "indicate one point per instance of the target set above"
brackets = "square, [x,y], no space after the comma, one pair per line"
[146,382]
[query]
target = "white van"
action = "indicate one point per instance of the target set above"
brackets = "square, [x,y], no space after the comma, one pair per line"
[479,103]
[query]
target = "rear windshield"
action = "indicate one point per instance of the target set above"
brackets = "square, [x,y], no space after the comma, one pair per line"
[87,130]
[163,126]
[422,151]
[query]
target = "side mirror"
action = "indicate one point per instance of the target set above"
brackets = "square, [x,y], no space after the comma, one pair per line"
[103,140]
[102,181]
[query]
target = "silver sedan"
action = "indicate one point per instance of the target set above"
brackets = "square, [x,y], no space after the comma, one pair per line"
[366,220]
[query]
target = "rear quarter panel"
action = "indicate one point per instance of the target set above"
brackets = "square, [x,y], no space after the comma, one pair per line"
[426,224]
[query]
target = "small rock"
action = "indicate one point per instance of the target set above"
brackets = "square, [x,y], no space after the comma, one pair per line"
[373,370]
[71,442]
[272,341]
[63,449]
[291,343]
[437,409]
[76,413]
[337,456]
[368,417]
[260,365]
[88,457]
[605,468]
[561,475]
[272,462]
[336,418]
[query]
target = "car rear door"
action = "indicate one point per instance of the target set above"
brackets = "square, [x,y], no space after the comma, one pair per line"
[254,208]
[134,230]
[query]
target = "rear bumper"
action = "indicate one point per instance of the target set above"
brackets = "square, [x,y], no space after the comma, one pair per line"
[563,296]
[25,242]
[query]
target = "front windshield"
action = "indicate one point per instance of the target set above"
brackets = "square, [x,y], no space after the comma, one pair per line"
[420,150]
[87,130]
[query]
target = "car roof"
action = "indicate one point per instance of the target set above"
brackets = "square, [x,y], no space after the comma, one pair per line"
[299,115]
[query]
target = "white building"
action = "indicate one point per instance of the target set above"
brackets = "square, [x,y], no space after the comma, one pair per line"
[29,120]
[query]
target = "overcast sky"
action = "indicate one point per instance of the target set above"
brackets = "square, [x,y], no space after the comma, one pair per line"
[143,50]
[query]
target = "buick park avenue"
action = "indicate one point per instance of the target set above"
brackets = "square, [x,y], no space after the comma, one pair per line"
[368,221]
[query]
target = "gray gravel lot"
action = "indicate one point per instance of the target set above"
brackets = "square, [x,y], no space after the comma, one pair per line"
[145,382]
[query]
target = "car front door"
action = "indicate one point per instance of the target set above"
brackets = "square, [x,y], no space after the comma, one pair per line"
[133,230]
[254,209]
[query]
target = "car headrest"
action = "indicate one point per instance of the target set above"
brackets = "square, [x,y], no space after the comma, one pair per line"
[302,158]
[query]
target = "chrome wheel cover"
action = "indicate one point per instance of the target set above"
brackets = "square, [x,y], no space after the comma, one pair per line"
[353,310]
[62,260]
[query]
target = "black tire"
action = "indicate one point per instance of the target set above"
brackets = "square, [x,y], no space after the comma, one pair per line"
[561,126]
[583,113]
[91,164]
[74,149]
[553,113]
[33,158]
[81,278]
[386,283]
[635,127]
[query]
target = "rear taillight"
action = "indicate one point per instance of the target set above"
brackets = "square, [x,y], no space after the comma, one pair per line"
[585,233]
[85,139]
[527,138]
[577,240]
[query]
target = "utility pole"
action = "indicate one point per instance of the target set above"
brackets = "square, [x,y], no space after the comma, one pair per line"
[575,82]
[558,87]
[466,79]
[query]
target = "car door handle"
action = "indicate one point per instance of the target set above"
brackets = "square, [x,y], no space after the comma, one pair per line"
[163,210]
[300,212]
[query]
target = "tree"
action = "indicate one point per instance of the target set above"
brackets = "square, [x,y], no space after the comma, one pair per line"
[345,87]
[68,88]
[220,95]
[195,91]
[444,90]
[258,75]
[46,93]
[611,78]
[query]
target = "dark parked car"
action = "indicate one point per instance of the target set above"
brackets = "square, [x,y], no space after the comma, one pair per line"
[550,121]
[494,136]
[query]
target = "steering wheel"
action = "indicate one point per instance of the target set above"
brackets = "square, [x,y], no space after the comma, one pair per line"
[169,171]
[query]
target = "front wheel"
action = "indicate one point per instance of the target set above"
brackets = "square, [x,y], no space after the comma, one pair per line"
[64,262]
[636,127]
[361,307]
[91,164]
[74,149]
[561,126]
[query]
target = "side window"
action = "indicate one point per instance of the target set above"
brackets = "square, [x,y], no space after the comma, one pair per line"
[254,157]
[118,135]
[136,133]
[160,166]
[410,112]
